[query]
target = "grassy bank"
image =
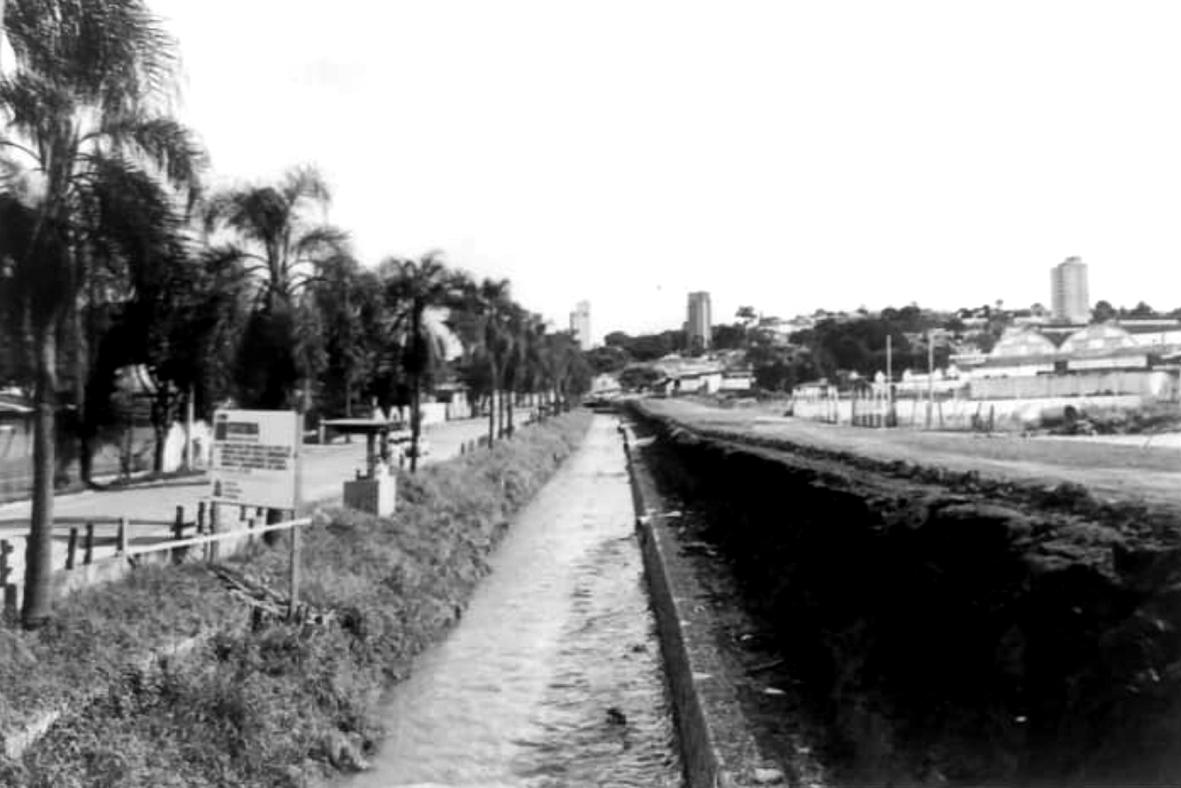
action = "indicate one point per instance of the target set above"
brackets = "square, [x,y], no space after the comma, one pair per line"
[286,703]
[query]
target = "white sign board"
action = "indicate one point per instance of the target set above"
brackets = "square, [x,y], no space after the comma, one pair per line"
[255,458]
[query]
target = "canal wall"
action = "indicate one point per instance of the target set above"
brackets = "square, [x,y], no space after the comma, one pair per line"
[946,630]
[716,749]
[277,702]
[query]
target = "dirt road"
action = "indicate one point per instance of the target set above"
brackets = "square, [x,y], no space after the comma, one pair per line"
[1148,474]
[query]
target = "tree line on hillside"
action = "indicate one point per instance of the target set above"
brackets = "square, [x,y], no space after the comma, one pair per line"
[113,255]
[831,346]
[835,345]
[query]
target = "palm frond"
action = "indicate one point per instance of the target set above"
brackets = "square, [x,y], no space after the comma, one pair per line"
[167,143]
[34,260]
[257,214]
[34,106]
[305,184]
[112,54]
[128,218]
[320,243]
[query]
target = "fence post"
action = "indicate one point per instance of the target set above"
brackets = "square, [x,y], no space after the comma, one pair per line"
[178,533]
[5,575]
[213,526]
[88,545]
[122,537]
[71,548]
[200,517]
[295,558]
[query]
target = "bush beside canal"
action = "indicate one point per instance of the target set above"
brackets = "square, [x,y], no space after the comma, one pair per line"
[943,636]
[280,704]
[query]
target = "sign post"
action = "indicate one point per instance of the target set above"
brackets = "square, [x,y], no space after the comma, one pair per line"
[256,462]
[297,493]
[255,458]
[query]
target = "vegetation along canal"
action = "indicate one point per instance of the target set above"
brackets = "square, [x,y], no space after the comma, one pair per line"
[553,676]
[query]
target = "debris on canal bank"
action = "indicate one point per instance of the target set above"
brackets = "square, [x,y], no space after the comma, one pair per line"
[931,633]
[287,703]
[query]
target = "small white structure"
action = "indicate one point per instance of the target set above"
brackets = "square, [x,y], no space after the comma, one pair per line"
[375,495]
[736,381]
[376,491]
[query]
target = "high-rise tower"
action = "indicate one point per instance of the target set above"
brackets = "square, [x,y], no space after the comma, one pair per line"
[1068,292]
[698,326]
[580,324]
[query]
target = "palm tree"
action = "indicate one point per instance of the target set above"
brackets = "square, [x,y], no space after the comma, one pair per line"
[523,369]
[482,323]
[535,368]
[283,250]
[570,372]
[84,118]
[421,285]
[349,299]
[494,305]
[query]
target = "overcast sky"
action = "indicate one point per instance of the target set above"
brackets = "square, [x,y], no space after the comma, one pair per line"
[787,155]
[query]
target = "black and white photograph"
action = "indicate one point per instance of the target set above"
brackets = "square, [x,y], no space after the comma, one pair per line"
[554,394]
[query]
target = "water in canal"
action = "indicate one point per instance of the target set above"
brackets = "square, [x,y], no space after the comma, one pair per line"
[553,676]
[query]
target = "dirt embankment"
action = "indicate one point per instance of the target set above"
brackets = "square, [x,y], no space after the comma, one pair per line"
[946,628]
[279,704]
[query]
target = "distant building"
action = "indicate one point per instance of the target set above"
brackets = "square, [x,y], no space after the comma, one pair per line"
[1068,289]
[698,325]
[580,324]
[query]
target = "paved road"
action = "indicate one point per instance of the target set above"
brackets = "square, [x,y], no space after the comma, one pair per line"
[325,468]
[1110,470]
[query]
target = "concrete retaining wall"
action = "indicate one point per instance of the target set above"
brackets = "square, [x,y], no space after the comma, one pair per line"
[670,587]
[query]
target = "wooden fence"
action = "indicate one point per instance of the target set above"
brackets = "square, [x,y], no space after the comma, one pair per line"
[83,539]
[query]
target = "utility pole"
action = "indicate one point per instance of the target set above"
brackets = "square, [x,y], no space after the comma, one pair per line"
[889,381]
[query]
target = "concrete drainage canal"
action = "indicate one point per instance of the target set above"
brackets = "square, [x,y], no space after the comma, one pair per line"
[553,677]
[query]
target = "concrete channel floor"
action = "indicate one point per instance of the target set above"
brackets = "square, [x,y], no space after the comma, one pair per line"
[325,469]
[555,636]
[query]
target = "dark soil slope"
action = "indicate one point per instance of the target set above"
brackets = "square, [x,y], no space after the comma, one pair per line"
[946,628]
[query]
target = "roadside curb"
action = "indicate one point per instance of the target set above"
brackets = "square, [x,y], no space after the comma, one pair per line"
[711,758]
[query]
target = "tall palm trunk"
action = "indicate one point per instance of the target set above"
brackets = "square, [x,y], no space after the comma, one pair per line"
[492,405]
[81,339]
[511,396]
[37,604]
[500,414]
[417,362]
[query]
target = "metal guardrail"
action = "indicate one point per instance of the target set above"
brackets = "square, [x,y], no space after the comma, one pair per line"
[192,541]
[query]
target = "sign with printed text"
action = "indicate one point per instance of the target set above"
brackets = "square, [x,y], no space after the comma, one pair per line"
[255,458]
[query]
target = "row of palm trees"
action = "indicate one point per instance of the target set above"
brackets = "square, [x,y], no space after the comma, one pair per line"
[111,253]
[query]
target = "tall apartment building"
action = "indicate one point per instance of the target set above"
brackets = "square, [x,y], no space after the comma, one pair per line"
[1070,302]
[698,325]
[580,324]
